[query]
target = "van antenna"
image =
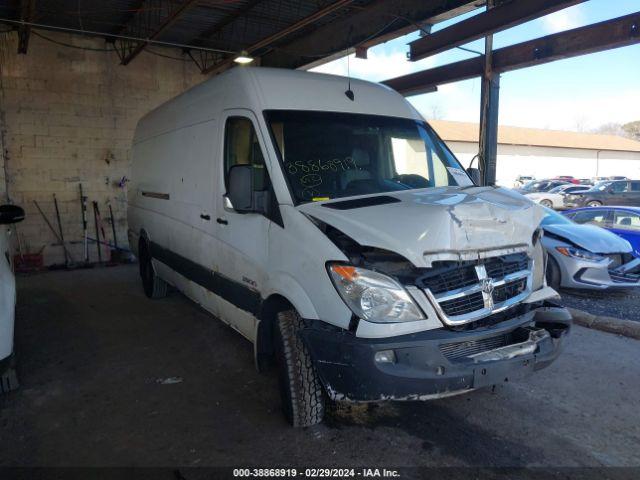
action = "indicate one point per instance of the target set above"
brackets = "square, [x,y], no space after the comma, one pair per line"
[349,93]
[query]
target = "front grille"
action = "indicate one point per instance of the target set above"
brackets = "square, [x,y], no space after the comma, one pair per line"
[500,267]
[616,260]
[458,350]
[448,276]
[618,277]
[509,290]
[463,305]
[468,291]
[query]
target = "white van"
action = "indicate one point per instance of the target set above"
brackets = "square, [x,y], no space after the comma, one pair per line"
[8,381]
[339,234]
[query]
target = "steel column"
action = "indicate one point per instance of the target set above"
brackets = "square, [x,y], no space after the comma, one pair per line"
[489,108]
[27,13]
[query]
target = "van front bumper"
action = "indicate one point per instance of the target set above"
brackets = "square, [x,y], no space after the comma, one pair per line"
[436,363]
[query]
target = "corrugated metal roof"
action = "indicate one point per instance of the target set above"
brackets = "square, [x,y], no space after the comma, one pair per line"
[469,132]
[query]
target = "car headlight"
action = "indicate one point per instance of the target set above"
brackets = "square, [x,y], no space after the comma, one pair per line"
[580,254]
[373,296]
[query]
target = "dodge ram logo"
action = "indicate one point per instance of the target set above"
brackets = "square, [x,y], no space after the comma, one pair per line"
[486,285]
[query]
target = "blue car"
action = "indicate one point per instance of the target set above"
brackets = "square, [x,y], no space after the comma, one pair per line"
[623,221]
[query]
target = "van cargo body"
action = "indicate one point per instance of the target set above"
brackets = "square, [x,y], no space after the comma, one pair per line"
[342,237]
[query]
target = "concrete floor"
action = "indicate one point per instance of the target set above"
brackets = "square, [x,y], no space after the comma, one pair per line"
[94,351]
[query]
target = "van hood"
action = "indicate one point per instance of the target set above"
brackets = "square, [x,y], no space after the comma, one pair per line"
[590,237]
[446,223]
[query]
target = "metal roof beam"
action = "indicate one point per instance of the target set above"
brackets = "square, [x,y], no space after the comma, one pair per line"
[494,20]
[619,32]
[381,19]
[283,33]
[150,23]
[218,27]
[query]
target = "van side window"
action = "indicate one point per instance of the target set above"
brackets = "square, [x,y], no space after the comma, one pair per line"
[241,147]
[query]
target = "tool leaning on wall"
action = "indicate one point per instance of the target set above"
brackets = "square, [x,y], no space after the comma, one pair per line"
[108,251]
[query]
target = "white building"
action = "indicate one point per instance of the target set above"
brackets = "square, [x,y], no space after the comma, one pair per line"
[546,153]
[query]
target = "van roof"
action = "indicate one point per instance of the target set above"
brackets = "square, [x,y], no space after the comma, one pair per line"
[259,89]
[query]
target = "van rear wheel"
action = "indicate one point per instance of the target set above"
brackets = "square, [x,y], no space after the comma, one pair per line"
[154,287]
[303,400]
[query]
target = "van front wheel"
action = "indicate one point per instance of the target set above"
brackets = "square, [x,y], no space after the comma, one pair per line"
[303,400]
[154,287]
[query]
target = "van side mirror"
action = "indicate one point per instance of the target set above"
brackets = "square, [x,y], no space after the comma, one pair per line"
[10,214]
[240,189]
[474,173]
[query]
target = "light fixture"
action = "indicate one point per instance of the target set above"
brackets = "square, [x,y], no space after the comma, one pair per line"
[243,58]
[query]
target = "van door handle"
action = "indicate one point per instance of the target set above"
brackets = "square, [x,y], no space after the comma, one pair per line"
[222,221]
[205,217]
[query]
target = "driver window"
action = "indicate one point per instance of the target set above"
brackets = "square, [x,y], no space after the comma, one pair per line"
[620,187]
[624,220]
[242,148]
[591,216]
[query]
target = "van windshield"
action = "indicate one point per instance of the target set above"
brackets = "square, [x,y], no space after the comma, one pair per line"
[329,155]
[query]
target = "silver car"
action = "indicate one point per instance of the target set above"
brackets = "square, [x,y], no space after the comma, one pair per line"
[587,256]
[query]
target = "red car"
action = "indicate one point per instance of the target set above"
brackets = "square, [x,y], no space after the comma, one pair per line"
[568,178]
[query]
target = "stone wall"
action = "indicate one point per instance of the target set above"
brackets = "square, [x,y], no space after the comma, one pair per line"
[67,116]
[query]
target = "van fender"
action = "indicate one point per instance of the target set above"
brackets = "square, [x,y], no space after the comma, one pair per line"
[283,293]
[284,285]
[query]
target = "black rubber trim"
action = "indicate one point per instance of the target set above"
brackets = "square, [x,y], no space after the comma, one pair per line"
[233,292]
[158,195]
[362,202]
[348,370]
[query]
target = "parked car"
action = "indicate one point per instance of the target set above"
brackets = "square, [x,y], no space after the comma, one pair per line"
[619,192]
[554,198]
[623,221]
[585,181]
[567,178]
[587,256]
[9,214]
[342,237]
[522,180]
[541,186]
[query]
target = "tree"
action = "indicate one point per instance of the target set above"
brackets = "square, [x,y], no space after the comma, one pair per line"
[611,129]
[632,129]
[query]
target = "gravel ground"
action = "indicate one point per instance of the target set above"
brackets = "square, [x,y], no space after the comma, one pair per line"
[111,378]
[624,304]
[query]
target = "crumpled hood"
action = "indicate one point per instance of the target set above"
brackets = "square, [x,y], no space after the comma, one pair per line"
[591,237]
[447,223]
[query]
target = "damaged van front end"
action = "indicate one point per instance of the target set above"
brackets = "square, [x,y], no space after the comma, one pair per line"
[447,292]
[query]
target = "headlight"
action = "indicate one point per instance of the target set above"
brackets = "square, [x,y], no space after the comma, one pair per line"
[581,254]
[373,296]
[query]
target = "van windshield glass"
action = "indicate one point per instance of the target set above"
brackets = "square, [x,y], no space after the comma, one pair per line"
[329,155]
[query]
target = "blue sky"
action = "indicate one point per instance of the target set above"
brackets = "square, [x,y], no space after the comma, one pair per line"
[581,93]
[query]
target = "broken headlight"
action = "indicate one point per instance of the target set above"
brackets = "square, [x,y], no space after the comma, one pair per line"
[373,296]
[580,254]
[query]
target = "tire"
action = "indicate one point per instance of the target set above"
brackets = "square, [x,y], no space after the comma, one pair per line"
[594,203]
[554,276]
[8,377]
[154,287]
[546,203]
[303,399]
